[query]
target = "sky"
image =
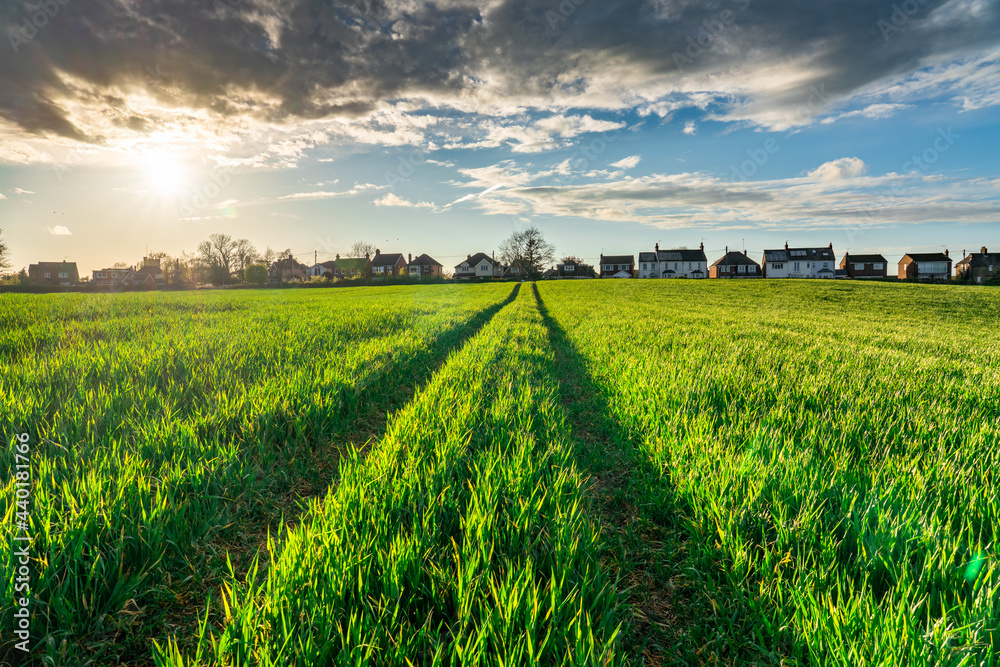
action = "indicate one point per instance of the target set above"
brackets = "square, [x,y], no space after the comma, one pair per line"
[131,126]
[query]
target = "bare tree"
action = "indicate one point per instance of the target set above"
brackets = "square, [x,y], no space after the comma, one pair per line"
[217,254]
[244,254]
[527,250]
[4,254]
[361,249]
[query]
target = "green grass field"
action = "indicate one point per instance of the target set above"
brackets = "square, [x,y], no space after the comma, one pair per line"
[580,472]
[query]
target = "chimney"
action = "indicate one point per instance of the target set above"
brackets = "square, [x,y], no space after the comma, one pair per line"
[727,250]
[945,252]
[657,246]
[494,254]
[786,245]
[338,257]
[831,245]
[983,249]
[701,247]
[410,256]
[745,253]
[468,256]
[377,252]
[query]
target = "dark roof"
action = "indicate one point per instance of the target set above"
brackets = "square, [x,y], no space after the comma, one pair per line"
[288,263]
[926,257]
[425,260]
[329,264]
[734,258]
[475,259]
[681,255]
[387,259]
[792,254]
[977,260]
[54,266]
[864,259]
[617,259]
[647,256]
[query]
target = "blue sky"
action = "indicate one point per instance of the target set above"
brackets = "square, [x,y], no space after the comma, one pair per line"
[442,128]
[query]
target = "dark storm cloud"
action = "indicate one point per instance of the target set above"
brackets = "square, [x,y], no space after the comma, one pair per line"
[313,58]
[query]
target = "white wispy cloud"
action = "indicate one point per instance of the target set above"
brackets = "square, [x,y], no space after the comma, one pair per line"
[838,170]
[59,230]
[391,199]
[627,162]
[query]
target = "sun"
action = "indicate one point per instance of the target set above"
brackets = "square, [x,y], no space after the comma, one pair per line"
[164,171]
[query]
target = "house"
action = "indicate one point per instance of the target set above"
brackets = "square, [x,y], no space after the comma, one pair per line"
[150,276]
[114,277]
[864,266]
[925,266]
[351,267]
[978,267]
[799,263]
[572,270]
[322,269]
[424,266]
[53,273]
[388,264]
[617,266]
[734,265]
[678,263]
[478,266]
[287,270]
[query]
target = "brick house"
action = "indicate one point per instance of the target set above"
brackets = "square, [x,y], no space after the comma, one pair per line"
[799,263]
[617,266]
[287,270]
[734,265]
[148,276]
[424,266]
[53,273]
[865,266]
[925,266]
[978,267]
[388,264]
[478,266]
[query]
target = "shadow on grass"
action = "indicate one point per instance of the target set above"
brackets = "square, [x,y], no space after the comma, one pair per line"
[672,617]
[167,599]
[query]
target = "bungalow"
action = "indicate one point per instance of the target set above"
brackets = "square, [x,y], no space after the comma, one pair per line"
[617,266]
[799,263]
[322,269]
[734,265]
[864,266]
[351,267]
[424,266]
[149,276]
[388,264]
[478,266]
[978,267]
[925,266]
[286,270]
[53,273]
[573,270]
[678,263]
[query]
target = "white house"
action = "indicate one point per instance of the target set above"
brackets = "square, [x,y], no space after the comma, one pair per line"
[799,263]
[679,263]
[480,266]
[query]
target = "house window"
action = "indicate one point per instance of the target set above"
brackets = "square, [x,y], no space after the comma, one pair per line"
[778,265]
[48,275]
[64,275]
[743,268]
[795,266]
[859,267]
[878,266]
[644,266]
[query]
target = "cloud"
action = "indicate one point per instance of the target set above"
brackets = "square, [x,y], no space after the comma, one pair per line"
[391,199]
[386,73]
[59,230]
[706,201]
[322,194]
[870,111]
[23,192]
[690,127]
[838,170]
[627,162]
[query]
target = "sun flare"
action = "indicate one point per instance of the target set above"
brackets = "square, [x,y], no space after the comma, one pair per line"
[164,171]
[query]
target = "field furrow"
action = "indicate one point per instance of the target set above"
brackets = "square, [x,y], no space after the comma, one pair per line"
[171,448]
[463,538]
[830,453]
